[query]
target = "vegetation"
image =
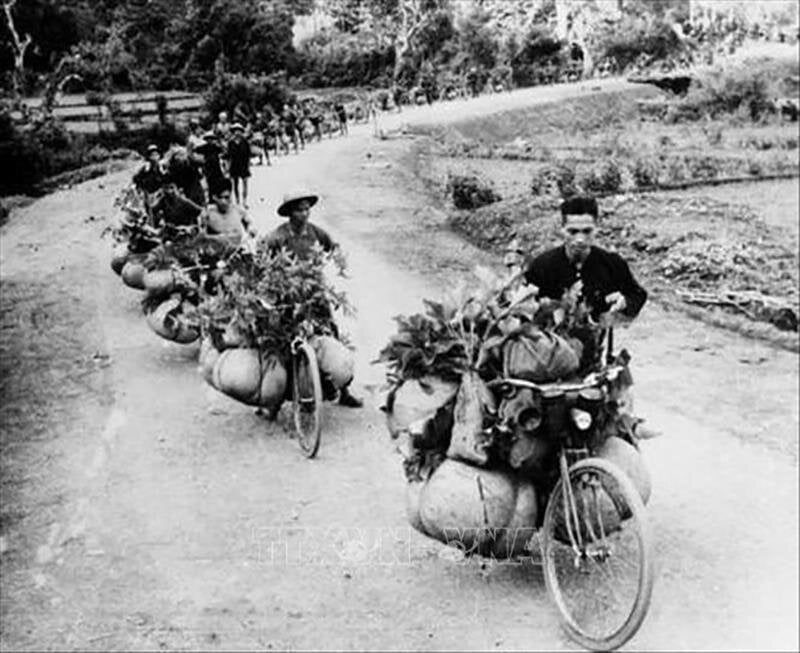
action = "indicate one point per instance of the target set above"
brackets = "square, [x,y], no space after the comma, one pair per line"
[31,154]
[124,45]
[107,45]
[469,192]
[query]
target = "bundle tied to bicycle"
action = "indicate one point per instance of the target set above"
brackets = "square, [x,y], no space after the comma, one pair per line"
[133,237]
[477,464]
[178,274]
[264,301]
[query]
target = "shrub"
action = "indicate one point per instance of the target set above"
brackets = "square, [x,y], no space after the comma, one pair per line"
[625,42]
[609,176]
[28,156]
[747,89]
[334,58]
[538,47]
[645,171]
[555,178]
[587,181]
[713,134]
[603,177]
[565,179]
[542,182]
[703,167]
[228,90]
[22,159]
[470,192]
[675,172]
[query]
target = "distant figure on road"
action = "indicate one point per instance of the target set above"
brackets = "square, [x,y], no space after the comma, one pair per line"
[223,127]
[473,81]
[397,97]
[195,138]
[289,120]
[258,139]
[238,155]
[341,115]
[150,177]
[212,163]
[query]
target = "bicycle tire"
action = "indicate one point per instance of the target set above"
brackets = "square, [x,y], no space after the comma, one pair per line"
[619,489]
[307,399]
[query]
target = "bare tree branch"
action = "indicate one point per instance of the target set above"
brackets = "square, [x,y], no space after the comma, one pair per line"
[20,45]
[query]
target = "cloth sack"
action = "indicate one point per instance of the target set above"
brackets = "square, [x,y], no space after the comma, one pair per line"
[539,356]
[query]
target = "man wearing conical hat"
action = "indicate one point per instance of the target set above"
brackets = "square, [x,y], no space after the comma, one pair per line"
[299,236]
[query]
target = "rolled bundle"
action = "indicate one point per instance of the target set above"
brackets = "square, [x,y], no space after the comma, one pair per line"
[486,511]
[628,458]
[133,272]
[161,282]
[167,321]
[250,377]
[119,257]
[334,359]
[207,359]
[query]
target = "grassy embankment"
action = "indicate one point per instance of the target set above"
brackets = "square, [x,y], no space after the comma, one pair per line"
[679,243]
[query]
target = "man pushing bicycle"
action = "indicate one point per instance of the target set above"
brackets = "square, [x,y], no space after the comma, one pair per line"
[298,236]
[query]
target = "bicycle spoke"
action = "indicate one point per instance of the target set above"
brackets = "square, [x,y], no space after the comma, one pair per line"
[602,593]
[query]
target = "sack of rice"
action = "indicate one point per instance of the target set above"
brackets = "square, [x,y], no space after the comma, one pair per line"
[629,459]
[473,508]
[415,407]
[160,282]
[473,402]
[250,377]
[334,359]
[539,356]
[119,257]
[207,359]
[413,493]
[514,538]
[133,273]
[167,321]
[603,507]
[233,337]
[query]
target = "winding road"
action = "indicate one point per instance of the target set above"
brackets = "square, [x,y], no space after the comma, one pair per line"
[162,515]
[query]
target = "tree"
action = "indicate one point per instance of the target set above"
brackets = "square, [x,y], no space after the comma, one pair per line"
[576,20]
[478,43]
[18,45]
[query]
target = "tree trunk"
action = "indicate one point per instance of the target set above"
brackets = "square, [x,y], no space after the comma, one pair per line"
[19,45]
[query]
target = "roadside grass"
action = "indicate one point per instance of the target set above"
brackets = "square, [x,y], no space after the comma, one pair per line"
[685,242]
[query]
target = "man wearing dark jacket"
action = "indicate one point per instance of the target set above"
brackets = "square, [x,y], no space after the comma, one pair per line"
[608,286]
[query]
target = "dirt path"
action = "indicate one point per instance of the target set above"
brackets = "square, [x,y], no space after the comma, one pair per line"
[156,513]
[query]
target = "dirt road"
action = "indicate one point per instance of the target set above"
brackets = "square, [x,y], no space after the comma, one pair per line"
[143,510]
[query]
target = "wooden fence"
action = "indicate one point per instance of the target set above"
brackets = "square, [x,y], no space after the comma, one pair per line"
[136,109]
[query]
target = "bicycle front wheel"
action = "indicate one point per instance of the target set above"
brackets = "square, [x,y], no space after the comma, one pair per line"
[307,399]
[598,555]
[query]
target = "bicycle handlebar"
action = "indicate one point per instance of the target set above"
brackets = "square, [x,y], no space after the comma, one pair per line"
[593,380]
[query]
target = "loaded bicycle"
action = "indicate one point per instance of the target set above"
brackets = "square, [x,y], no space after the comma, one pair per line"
[595,539]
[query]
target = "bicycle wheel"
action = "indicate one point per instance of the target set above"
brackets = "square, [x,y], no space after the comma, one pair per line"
[600,573]
[307,399]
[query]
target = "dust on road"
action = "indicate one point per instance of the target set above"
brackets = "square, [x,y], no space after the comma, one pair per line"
[157,513]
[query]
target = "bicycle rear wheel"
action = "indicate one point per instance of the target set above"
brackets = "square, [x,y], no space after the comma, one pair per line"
[598,555]
[307,399]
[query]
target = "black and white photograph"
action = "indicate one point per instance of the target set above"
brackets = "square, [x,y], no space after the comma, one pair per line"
[399,325]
